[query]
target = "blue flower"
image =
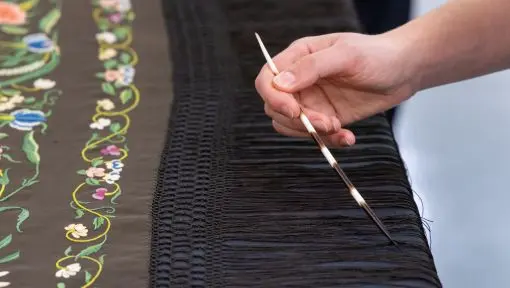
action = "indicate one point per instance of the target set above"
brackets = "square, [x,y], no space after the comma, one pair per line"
[38,43]
[127,74]
[26,119]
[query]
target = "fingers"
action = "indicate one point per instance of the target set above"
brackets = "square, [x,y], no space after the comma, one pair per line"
[342,138]
[310,68]
[280,101]
[322,123]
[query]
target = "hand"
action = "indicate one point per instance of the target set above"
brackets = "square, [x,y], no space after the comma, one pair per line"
[338,79]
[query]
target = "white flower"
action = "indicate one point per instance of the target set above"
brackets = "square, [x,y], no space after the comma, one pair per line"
[10,103]
[6,106]
[44,84]
[101,123]
[107,54]
[112,177]
[107,37]
[77,230]
[69,270]
[124,5]
[4,284]
[106,104]
[16,99]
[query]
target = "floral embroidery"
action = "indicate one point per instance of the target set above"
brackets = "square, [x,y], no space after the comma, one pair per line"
[2,283]
[105,152]
[11,14]
[69,270]
[77,230]
[29,53]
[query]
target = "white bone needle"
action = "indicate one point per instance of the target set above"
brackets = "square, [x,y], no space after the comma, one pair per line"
[325,151]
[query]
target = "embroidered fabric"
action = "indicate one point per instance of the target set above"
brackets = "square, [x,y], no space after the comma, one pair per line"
[236,204]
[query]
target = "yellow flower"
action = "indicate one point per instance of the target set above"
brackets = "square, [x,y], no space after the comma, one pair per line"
[105,54]
[106,104]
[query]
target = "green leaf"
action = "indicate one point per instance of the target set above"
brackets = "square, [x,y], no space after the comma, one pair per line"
[3,135]
[103,24]
[48,22]
[131,16]
[98,222]
[115,127]
[101,258]
[10,92]
[23,215]
[90,250]
[126,95]
[125,58]
[92,181]
[96,162]
[109,65]
[121,32]
[68,251]
[29,100]
[6,241]
[82,172]
[88,276]
[100,75]
[112,200]
[108,88]
[4,179]
[61,285]
[79,214]
[31,148]
[14,30]
[27,5]
[10,257]
[9,158]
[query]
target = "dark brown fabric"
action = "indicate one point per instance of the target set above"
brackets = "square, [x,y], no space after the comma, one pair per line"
[42,240]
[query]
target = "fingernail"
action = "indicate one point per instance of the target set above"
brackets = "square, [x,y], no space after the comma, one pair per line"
[285,79]
[350,141]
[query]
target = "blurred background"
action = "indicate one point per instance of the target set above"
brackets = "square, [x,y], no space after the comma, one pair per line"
[453,140]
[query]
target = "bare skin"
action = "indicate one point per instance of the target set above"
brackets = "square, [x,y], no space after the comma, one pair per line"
[345,77]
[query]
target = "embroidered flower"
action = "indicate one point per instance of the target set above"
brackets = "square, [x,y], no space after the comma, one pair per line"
[38,43]
[44,84]
[95,172]
[100,193]
[111,75]
[105,54]
[77,230]
[11,14]
[111,150]
[4,284]
[127,74]
[107,37]
[10,103]
[69,270]
[106,104]
[115,165]
[26,119]
[120,5]
[101,123]
[115,18]
[112,177]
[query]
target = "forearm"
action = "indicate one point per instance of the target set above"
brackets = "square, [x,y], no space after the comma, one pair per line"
[460,40]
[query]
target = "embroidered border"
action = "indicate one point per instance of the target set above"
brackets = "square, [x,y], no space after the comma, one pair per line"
[107,146]
[25,101]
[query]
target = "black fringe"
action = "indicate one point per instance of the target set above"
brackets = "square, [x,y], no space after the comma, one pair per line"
[237,205]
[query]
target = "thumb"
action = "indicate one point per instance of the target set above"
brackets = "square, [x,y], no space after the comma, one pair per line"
[309,69]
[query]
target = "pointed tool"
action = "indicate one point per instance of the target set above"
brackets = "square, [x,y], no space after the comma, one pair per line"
[325,151]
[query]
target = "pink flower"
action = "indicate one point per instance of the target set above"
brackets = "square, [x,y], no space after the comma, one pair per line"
[111,75]
[95,172]
[99,194]
[115,18]
[111,150]
[11,14]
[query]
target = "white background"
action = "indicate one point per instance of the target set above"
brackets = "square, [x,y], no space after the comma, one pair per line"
[454,140]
